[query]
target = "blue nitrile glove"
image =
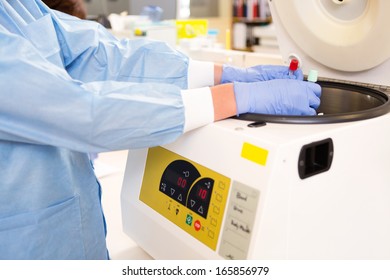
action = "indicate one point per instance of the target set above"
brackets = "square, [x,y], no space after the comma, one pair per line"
[277,97]
[258,73]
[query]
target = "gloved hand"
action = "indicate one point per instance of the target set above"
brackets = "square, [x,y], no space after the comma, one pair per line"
[280,97]
[258,73]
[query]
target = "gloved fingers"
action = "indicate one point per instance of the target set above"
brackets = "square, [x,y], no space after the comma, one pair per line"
[314,101]
[231,73]
[311,112]
[315,88]
[313,94]
[259,73]
[286,97]
[298,74]
[271,72]
[267,72]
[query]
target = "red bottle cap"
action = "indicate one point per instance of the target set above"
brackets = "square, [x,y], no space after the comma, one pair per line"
[294,64]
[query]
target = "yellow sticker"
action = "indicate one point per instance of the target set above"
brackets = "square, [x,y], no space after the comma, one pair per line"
[254,153]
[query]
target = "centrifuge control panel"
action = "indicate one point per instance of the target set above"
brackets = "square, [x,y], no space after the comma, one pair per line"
[182,182]
[190,195]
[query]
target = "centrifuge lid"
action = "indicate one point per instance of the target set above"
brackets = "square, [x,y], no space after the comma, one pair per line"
[342,39]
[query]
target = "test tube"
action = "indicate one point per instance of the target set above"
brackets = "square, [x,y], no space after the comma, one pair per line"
[313,76]
[294,63]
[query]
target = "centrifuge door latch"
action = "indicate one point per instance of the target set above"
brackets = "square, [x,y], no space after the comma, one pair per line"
[315,158]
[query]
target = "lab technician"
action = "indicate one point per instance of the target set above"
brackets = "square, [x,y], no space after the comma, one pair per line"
[69,88]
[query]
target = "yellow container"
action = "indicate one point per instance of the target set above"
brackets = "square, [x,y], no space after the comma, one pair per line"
[191,28]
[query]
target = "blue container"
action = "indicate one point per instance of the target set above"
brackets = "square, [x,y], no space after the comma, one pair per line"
[153,12]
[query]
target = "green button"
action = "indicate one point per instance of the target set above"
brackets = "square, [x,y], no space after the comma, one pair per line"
[189,219]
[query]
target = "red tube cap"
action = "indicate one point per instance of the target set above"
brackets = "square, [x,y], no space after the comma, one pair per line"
[294,63]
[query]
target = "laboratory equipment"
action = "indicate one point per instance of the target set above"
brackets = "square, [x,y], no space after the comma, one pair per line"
[282,187]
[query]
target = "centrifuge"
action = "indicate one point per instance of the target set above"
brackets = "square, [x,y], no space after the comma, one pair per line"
[282,187]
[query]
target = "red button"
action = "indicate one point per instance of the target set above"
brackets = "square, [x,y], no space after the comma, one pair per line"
[197,225]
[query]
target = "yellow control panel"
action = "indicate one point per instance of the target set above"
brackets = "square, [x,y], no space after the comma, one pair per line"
[188,194]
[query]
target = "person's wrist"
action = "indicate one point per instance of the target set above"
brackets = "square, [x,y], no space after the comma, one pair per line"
[224,101]
[217,74]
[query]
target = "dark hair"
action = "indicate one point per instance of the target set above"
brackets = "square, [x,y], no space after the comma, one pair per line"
[72,7]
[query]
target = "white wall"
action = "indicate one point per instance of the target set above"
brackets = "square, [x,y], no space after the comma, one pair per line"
[201,8]
[105,7]
[169,7]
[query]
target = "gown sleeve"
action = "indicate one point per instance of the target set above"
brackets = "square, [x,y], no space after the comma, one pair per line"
[94,93]
[43,104]
[91,53]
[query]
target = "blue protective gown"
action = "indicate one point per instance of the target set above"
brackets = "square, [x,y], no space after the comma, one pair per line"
[68,88]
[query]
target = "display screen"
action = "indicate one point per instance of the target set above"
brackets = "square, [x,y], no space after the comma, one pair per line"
[182,182]
[200,196]
[175,179]
[202,193]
